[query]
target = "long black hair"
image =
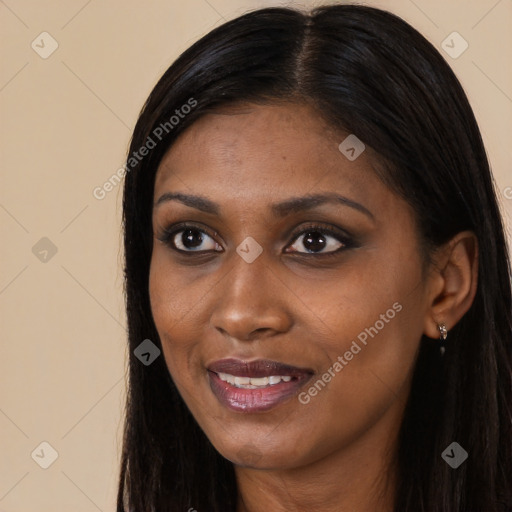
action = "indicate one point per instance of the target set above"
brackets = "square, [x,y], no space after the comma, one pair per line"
[367,72]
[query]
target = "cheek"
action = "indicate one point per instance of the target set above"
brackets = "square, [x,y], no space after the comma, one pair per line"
[378,324]
[173,303]
[365,381]
[376,300]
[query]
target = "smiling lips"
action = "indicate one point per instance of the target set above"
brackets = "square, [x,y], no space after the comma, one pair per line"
[255,386]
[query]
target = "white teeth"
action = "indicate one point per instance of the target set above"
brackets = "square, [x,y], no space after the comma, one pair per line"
[226,377]
[252,382]
[263,381]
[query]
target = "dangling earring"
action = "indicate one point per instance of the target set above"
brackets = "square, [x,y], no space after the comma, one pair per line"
[443,334]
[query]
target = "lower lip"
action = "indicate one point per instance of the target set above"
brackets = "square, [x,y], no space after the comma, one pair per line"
[254,400]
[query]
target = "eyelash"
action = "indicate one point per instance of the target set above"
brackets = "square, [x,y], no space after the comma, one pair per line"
[168,234]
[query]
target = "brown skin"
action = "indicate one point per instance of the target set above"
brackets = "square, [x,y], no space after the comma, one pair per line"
[335,452]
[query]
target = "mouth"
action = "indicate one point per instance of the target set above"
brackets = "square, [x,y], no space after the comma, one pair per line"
[255,386]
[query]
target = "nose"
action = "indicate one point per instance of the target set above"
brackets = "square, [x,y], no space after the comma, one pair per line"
[251,302]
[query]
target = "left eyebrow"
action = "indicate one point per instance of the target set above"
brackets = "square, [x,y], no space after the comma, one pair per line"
[309,202]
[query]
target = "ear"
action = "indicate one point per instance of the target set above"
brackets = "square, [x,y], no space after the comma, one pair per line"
[453,283]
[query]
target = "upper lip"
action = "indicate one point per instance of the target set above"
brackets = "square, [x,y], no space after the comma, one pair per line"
[258,368]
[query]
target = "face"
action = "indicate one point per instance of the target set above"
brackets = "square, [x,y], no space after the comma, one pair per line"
[290,326]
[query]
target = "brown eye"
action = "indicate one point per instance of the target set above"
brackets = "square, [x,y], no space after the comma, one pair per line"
[189,239]
[319,240]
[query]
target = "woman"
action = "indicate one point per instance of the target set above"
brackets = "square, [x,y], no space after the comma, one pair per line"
[313,242]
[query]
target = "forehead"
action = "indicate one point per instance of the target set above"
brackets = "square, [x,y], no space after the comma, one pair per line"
[254,152]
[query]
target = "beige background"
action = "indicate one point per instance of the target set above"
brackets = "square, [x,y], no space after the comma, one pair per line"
[66,122]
